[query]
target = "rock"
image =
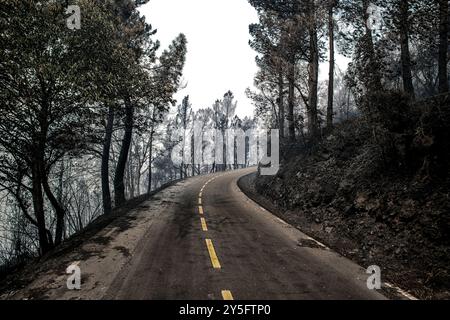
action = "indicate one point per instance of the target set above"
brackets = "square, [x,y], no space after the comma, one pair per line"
[408,210]
[345,186]
[350,210]
[360,201]
[328,192]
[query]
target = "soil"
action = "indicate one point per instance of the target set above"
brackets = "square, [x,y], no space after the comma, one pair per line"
[105,244]
[340,195]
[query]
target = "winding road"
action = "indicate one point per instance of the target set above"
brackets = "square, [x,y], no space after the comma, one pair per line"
[210,241]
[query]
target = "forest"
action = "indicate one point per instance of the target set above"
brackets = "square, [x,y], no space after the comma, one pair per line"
[397,46]
[364,150]
[88,116]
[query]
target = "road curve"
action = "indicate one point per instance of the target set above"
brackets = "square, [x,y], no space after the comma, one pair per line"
[212,242]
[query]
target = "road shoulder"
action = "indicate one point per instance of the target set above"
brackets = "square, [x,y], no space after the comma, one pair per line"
[339,245]
[100,252]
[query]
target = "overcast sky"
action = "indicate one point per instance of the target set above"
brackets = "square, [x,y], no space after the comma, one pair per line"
[219,57]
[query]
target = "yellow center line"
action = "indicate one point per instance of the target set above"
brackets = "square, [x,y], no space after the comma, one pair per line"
[200,209]
[226,295]
[204,227]
[212,254]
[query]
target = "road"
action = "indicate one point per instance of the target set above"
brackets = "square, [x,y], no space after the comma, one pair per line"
[212,242]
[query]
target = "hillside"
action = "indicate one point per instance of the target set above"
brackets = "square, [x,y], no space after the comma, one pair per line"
[376,205]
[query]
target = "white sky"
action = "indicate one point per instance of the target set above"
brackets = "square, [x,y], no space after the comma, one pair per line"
[219,57]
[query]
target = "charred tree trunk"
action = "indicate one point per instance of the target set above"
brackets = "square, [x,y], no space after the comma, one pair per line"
[330,111]
[291,100]
[313,70]
[119,184]
[150,143]
[404,45]
[443,46]
[193,155]
[37,177]
[59,211]
[106,192]
[369,55]
[281,102]
[223,166]
[129,174]
[60,195]
[38,206]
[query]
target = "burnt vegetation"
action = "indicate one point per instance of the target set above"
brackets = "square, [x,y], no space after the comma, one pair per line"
[365,154]
[88,122]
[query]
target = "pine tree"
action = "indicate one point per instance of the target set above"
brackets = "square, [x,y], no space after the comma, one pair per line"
[46,109]
[443,46]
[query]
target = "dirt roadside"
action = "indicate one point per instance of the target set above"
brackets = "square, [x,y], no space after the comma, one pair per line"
[397,275]
[102,249]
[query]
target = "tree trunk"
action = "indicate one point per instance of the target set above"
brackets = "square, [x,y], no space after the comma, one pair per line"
[369,51]
[37,176]
[331,69]
[59,211]
[443,46]
[281,102]
[152,132]
[60,194]
[404,45]
[106,192]
[313,70]
[193,155]
[38,206]
[129,174]
[119,184]
[137,180]
[291,101]
[224,150]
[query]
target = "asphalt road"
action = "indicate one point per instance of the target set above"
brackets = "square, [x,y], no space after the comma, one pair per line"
[212,242]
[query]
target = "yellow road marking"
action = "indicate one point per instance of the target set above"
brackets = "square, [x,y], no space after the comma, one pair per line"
[200,209]
[200,194]
[212,254]
[199,200]
[204,227]
[226,295]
